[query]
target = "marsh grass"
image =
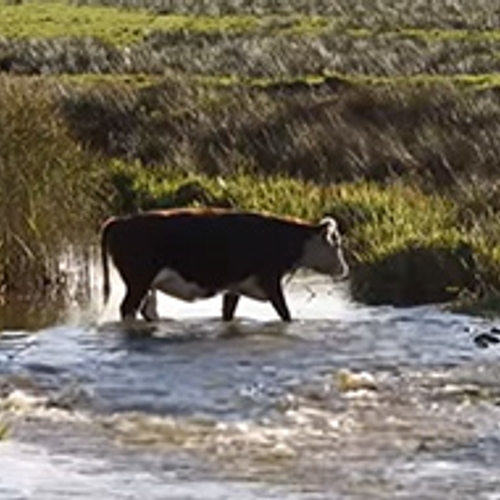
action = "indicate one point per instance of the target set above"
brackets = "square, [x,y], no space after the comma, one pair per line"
[48,188]
[408,245]
[279,149]
[333,131]
[384,114]
[250,40]
[453,14]
[67,159]
[251,54]
[398,167]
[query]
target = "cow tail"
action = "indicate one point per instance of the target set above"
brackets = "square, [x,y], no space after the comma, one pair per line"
[106,288]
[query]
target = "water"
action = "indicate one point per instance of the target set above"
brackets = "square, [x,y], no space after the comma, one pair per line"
[347,402]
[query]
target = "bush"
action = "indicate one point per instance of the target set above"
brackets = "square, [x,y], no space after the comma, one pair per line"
[421,273]
[406,247]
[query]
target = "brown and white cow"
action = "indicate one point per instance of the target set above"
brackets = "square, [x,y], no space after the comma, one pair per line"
[196,253]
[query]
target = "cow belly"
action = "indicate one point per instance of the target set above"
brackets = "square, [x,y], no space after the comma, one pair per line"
[250,288]
[172,283]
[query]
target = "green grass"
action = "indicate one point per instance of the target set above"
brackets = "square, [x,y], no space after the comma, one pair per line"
[112,25]
[465,81]
[4,431]
[128,26]
[54,20]
[137,189]
[119,26]
[136,81]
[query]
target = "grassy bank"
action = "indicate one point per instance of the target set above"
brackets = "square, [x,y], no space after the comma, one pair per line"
[414,234]
[405,247]
[385,116]
[332,131]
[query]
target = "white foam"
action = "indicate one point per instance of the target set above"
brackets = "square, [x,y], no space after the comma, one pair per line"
[32,472]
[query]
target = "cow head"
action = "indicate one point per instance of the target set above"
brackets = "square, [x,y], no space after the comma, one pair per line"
[323,251]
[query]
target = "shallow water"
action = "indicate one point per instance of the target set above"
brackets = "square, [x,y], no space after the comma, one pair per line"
[346,402]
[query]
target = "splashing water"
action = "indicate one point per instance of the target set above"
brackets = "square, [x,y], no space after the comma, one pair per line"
[345,402]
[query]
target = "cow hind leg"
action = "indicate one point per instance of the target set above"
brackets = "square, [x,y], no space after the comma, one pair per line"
[149,305]
[134,297]
[229,303]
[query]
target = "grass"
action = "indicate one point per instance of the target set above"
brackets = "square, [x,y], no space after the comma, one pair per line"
[466,82]
[385,115]
[67,148]
[4,431]
[124,27]
[333,131]
[373,158]
[53,20]
[138,189]
[49,187]
[454,14]
[247,44]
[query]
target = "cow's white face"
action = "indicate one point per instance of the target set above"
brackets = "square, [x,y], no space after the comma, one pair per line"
[323,252]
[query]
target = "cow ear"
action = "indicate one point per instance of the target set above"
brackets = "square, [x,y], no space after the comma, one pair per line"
[328,227]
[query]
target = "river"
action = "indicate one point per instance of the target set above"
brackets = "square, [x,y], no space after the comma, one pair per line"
[346,402]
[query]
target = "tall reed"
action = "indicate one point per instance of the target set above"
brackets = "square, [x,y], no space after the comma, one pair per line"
[48,186]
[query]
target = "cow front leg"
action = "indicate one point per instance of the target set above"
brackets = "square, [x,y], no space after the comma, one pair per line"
[274,291]
[229,303]
[149,306]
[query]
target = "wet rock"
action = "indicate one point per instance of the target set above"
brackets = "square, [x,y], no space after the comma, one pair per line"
[486,339]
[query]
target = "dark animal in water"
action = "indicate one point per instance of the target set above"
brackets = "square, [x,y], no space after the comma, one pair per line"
[196,253]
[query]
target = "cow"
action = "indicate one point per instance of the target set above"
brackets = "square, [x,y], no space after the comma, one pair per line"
[194,254]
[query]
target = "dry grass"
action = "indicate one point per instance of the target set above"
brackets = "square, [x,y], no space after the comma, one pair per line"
[435,134]
[255,55]
[456,14]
